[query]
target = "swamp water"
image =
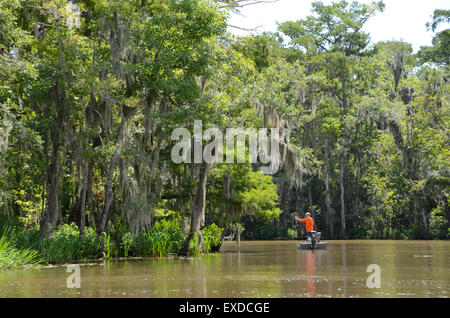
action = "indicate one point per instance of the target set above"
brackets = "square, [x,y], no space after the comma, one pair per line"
[255,269]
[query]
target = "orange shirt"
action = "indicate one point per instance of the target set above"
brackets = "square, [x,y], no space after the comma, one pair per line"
[308,222]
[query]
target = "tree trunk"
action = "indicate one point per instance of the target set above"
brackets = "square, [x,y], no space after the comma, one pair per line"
[356,206]
[88,115]
[238,237]
[284,202]
[341,184]
[425,223]
[74,216]
[52,210]
[311,209]
[83,198]
[329,213]
[103,218]
[198,210]
[90,194]
[108,192]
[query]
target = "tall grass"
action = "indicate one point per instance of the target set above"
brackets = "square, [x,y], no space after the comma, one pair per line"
[10,256]
[163,239]
[212,239]
[66,245]
[108,246]
[20,247]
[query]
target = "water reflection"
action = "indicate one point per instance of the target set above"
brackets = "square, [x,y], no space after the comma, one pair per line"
[255,269]
[310,270]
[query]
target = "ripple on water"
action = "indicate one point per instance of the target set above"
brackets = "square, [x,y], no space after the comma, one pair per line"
[406,294]
[262,269]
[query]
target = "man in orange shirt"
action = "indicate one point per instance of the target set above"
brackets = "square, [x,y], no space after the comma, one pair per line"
[309,223]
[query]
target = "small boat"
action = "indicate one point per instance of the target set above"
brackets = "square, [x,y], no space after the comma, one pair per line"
[310,246]
[313,243]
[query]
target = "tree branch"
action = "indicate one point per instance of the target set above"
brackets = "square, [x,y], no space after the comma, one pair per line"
[242,3]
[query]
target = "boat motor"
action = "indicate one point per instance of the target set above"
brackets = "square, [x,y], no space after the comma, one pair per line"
[313,239]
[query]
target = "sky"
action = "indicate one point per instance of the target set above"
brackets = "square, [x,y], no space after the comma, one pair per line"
[401,20]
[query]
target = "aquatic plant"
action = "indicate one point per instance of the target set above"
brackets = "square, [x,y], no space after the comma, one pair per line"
[211,240]
[64,245]
[90,243]
[13,257]
[438,224]
[108,246]
[212,237]
[291,234]
[164,238]
[126,243]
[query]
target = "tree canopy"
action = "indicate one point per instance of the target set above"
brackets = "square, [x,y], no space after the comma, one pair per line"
[91,91]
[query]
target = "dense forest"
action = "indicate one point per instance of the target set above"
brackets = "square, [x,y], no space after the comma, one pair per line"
[91,91]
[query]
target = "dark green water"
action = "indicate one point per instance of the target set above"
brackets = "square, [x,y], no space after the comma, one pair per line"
[256,269]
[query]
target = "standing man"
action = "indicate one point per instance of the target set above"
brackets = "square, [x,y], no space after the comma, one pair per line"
[309,223]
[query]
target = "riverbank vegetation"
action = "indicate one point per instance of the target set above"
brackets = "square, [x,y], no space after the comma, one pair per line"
[91,91]
[20,247]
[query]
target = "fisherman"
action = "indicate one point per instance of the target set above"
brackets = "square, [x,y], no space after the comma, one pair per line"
[309,223]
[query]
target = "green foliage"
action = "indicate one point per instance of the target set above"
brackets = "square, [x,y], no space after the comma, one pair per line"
[108,246]
[257,229]
[10,256]
[61,248]
[263,49]
[438,224]
[90,243]
[253,192]
[126,243]
[164,238]
[335,27]
[64,245]
[212,237]
[87,111]
[291,234]
[439,16]
[439,52]
[261,196]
